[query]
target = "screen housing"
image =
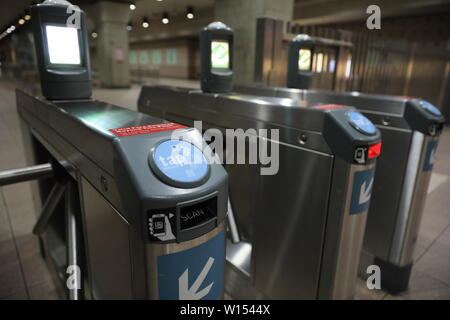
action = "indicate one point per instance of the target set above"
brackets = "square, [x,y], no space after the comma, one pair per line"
[213,79]
[61,81]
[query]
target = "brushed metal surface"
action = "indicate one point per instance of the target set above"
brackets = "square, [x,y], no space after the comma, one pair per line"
[239,255]
[232,227]
[400,187]
[290,215]
[350,244]
[387,191]
[107,245]
[412,202]
[412,170]
[292,234]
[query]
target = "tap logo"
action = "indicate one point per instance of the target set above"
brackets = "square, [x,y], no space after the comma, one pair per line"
[180,161]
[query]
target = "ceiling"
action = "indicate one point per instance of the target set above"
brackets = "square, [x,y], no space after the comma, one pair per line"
[175,7]
[11,11]
[311,12]
[305,11]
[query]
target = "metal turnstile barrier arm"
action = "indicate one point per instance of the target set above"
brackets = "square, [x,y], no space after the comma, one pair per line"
[49,207]
[67,189]
[17,175]
[232,226]
[72,239]
[39,171]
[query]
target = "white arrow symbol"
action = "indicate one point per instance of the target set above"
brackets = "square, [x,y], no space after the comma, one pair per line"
[364,193]
[191,293]
[432,157]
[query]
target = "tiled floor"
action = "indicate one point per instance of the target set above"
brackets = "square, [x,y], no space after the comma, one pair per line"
[24,275]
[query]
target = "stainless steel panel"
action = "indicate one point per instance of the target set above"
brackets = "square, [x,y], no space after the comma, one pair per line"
[243,181]
[400,189]
[343,236]
[387,192]
[412,202]
[239,255]
[294,231]
[238,284]
[290,216]
[350,244]
[107,245]
[415,216]
[412,170]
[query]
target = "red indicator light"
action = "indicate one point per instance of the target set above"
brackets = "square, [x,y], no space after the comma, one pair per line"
[374,150]
[328,106]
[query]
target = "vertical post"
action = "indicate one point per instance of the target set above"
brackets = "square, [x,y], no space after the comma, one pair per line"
[263,50]
[444,93]
[278,74]
[111,19]
[71,207]
[242,17]
[270,55]
[409,71]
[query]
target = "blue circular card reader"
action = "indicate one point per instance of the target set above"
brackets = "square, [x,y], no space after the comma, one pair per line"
[430,108]
[361,123]
[179,163]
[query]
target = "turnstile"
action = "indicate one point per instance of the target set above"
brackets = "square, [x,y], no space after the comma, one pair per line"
[138,211]
[302,227]
[410,129]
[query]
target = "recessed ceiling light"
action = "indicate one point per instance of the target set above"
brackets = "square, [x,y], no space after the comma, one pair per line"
[190,13]
[145,23]
[165,18]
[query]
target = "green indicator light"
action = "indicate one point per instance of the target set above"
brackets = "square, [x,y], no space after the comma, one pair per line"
[220,55]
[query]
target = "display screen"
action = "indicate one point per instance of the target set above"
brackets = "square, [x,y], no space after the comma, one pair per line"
[63,45]
[304,59]
[220,55]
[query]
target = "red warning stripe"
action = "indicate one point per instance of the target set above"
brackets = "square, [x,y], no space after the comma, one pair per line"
[329,106]
[150,128]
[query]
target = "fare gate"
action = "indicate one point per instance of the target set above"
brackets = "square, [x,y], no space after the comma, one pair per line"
[410,128]
[133,207]
[300,229]
[138,210]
